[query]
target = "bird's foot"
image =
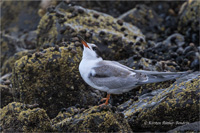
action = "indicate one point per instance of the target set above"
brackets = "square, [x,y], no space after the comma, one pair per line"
[103,99]
[104,104]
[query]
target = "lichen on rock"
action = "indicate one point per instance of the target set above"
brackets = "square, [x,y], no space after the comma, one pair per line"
[17,117]
[113,37]
[94,119]
[177,103]
[9,63]
[189,16]
[51,79]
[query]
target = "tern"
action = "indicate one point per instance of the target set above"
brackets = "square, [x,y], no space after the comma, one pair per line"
[113,77]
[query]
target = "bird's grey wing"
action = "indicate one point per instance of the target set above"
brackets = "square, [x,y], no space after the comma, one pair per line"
[113,77]
[120,65]
[150,76]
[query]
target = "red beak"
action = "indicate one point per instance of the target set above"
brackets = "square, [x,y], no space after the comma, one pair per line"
[83,41]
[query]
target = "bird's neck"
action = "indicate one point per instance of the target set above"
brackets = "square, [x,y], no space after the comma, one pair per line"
[91,58]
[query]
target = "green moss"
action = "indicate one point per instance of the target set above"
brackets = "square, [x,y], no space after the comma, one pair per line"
[51,78]
[6,95]
[189,16]
[16,117]
[179,102]
[94,120]
[114,40]
[9,63]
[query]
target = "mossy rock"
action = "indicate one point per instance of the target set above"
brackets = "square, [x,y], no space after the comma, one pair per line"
[6,95]
[176,104]
[113,37]
[18,117]
[94,119]
[9,63]
[189,17]
[51,78]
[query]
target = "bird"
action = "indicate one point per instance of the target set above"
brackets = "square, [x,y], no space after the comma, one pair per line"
[113,77]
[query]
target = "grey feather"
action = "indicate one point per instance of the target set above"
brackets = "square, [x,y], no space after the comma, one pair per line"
[113,75]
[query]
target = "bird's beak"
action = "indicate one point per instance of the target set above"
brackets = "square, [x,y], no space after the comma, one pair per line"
[83,41]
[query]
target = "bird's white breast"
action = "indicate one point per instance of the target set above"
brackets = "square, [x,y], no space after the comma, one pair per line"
[85,69]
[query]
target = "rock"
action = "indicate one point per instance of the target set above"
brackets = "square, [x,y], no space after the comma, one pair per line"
[51,79]
[162,108]
[187,127]
[149,64]
[9,63]
[93,119]
[21,16]
[113,8]
[143,17]
[17,117]
[6,94]
[75,23]
[195,64]
[189,20]
[9,46]
[30,39]
[173,50]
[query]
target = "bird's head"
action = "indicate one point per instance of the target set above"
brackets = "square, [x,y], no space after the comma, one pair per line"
[90,51]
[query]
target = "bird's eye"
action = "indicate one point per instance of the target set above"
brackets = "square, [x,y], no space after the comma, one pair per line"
[94,48]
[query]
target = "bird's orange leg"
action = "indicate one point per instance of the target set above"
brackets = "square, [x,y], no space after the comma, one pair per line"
[107,99]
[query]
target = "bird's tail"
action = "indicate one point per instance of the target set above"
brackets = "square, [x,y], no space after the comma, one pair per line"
[153,77]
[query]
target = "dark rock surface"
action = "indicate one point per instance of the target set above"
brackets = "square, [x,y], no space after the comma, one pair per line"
[143,15]
[19,16]
[51,79]
[162,109]
[182,55]
[192,127]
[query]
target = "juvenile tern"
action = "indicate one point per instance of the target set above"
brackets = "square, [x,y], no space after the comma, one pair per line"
[113,77]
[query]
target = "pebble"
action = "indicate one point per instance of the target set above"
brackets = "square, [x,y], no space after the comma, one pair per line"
[29,55]
[81,11]
[135,98]
[187,49]
[77,44]
[101,33]
[83,31]
[75,39]
[120,22]
[190,54]
[87,35]
[123,29]
[51,9]
[195,64]
[180,51]
[56,48]
[37,54]
[96,15]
